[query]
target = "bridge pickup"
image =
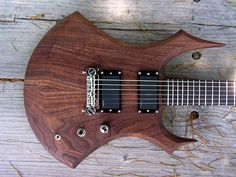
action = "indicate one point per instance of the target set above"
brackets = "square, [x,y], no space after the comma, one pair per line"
[147,92]
[110,91]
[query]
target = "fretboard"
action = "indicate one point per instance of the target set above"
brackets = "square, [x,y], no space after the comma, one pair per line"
[198,92]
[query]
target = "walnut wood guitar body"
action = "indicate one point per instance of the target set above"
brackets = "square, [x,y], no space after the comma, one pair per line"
[55,88]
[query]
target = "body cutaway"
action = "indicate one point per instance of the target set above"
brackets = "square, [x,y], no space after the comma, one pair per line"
[56,92]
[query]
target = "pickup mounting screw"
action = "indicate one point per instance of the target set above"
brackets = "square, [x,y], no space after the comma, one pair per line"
[139,111]
[81,132]
[104,129]
[57,137]
[139,73]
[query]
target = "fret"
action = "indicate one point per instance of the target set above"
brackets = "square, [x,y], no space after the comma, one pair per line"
[193,90]
[187,92]
[219,94]
[168,96]
[215,92]
[205,92]
[173,88]
[222,93]
[212,93]
[234,93]
[226,95]
[182,102]
[177,92]
[230,100]
[199,93]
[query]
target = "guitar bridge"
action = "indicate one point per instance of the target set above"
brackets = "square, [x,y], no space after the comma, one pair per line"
[91,91]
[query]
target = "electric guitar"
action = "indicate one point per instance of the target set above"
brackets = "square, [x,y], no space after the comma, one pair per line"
[83,89]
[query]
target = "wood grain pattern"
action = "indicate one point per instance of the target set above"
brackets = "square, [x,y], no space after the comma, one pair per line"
[146,22]
[55,91]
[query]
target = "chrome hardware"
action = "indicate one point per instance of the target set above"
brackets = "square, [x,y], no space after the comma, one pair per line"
[57,137]
[91,72]
[104,129]
[90,111]
[81,132]
[91,91]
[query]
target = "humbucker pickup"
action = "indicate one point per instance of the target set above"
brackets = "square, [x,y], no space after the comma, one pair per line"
[147,92]
[110,91]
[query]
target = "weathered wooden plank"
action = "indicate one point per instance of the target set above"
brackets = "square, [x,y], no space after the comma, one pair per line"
[21,37]
[212,20]
[19,146]
[209,12]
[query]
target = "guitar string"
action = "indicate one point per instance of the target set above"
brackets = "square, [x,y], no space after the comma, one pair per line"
[170,80]
[174,104]
[180,85]
[157,89]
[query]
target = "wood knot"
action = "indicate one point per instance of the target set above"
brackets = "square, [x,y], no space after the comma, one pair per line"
[193,115]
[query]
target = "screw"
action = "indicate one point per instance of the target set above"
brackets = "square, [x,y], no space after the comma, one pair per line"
[57,137]
[139,111]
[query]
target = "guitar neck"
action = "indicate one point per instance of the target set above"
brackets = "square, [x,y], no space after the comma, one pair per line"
[198,92]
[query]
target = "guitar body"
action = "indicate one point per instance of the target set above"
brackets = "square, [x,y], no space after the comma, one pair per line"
[55,88]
